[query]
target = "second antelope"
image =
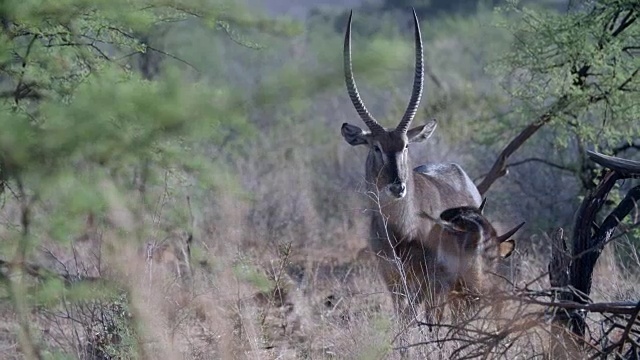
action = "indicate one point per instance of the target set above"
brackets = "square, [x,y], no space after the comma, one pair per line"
[462,253]
[397,190]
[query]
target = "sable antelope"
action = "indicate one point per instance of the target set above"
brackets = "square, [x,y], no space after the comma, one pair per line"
[398,189]
[465,249]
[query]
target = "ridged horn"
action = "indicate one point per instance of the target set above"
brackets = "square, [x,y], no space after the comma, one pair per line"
[371,123]
[418,80]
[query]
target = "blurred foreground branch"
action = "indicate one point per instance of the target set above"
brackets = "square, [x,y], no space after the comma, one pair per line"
[43,273]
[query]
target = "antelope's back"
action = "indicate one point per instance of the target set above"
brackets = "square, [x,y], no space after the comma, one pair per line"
[445,186]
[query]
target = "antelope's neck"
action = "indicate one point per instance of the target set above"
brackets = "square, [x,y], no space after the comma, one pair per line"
[400,214]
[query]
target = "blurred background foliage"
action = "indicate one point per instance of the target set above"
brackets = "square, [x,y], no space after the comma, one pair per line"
[148,102]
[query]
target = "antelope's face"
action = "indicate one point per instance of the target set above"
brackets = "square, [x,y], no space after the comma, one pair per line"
[388,159]
[387,162]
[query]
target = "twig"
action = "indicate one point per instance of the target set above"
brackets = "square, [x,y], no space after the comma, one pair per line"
[24,66]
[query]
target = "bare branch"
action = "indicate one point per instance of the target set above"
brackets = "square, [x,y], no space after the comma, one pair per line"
[542,161]
[173,57]
[589,243]
[499,167]
[629,19]
[24,66]
[612,221]
[528,160]
[43,273]
[627,330]
[619,308]
[25,91]
[624,84]
[626,168]
[149,47]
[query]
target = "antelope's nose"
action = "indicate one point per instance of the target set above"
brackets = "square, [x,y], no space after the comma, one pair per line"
[398,190]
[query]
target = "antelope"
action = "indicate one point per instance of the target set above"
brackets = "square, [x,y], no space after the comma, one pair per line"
[464,248]
[398,189]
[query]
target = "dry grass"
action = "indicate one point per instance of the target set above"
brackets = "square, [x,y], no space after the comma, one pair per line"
[272,278]
[281,303]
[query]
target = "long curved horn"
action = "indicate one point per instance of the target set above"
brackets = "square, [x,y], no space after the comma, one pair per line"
[373,125]
[509,233]
[418,81]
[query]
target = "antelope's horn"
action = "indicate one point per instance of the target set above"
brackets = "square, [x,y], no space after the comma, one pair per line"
[481,208]
[418,81]
[510,233]
[371,123]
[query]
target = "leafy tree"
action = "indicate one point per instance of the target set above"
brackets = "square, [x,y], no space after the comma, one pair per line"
[79,112]
[577,72]
[430,8]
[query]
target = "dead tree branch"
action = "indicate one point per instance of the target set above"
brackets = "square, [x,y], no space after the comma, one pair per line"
[499,168]
[589,241]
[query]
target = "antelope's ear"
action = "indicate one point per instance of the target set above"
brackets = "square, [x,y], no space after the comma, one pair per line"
[507,247]
[456,220]
[464,217]
[422,132]
[451,214]
[354,135]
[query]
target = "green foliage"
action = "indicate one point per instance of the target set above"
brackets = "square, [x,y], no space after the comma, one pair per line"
[583,59]
[245,271]
[380,327]
[427,8]
[74,111]
[81,122]
[88,128]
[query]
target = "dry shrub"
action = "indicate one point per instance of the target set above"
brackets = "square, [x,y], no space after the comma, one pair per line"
[280,304]
[272,277]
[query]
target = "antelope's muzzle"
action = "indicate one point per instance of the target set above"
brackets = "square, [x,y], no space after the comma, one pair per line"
[397,190]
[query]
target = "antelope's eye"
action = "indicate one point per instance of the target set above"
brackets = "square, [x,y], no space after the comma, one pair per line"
[376,148]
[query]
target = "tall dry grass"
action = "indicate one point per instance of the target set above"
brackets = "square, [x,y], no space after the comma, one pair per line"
[277,271]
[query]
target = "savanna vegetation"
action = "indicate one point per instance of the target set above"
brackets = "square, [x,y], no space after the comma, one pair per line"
[174,185]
